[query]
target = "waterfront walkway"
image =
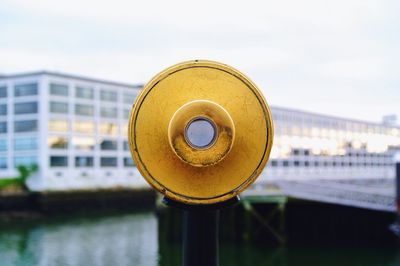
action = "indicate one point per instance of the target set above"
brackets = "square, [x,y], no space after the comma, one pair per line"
[375,194]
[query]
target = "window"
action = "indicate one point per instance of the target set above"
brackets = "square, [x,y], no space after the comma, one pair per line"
[126,146]
[84,93]
[59,107]
[3,109]
[3,163]
[25,144]
[58,161]
[25,89]
[3,144]
[124,130]
[109,145]
[3,92]
[128,162]
[25,126]
[83,161]
[108,129]
[26,108]
[58,125]
[274,163]
[84,109]
[108,112]
[108,96]
[84,127]
[25,160]
[57,142]
[58,89]
[285,163]
[129,98]
[82,143]
[3,127]
[126,113]
[108,161]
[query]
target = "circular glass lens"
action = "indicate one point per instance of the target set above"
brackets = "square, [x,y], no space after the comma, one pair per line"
[200,133]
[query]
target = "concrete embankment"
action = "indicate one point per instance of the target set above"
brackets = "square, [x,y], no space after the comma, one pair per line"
[77,201]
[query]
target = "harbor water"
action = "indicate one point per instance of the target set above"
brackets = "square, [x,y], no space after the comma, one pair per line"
[133,239]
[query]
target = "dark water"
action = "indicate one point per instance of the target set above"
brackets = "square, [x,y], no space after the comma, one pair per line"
[132,239]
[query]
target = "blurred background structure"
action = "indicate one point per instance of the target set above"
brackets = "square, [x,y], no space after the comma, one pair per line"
[75,130]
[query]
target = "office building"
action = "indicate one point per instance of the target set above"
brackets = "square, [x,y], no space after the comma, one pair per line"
[309,145]
[73,128]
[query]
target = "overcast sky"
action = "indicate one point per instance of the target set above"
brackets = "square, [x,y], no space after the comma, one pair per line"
[333,57]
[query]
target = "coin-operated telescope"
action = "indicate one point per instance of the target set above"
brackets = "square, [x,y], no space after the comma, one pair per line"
[200,133]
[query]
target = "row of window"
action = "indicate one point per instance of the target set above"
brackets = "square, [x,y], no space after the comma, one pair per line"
[20,144]
[19,160]
[86,110]
[296,163]
[20,90]
[83,92]
[62,126]
[62,108]
[361,153]
[20,126]
[293,118]
[62,161]
[20,108]
[83,143]
[63,90]
[88,127]
[54,142]
[88,161]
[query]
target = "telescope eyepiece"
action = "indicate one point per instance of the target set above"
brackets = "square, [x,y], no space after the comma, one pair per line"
[200,133]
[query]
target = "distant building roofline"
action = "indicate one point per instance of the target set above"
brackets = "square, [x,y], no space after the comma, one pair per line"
[354,120]
[71,76]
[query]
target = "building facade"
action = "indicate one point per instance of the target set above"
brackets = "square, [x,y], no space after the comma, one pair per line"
[75,130]
[309,145]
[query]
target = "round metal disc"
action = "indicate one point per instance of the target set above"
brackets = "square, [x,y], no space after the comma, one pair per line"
[156,105]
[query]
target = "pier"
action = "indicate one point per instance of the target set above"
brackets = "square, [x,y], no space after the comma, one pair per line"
[370,193]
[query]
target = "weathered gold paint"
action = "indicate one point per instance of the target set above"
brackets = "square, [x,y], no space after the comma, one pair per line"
[189,179]
[224,136]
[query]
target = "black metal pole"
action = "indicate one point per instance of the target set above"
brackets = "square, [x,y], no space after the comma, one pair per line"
[395,227]
[200,231]
[398,191]
[200,237]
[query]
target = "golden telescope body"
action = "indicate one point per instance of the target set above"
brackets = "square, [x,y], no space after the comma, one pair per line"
[200,132]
